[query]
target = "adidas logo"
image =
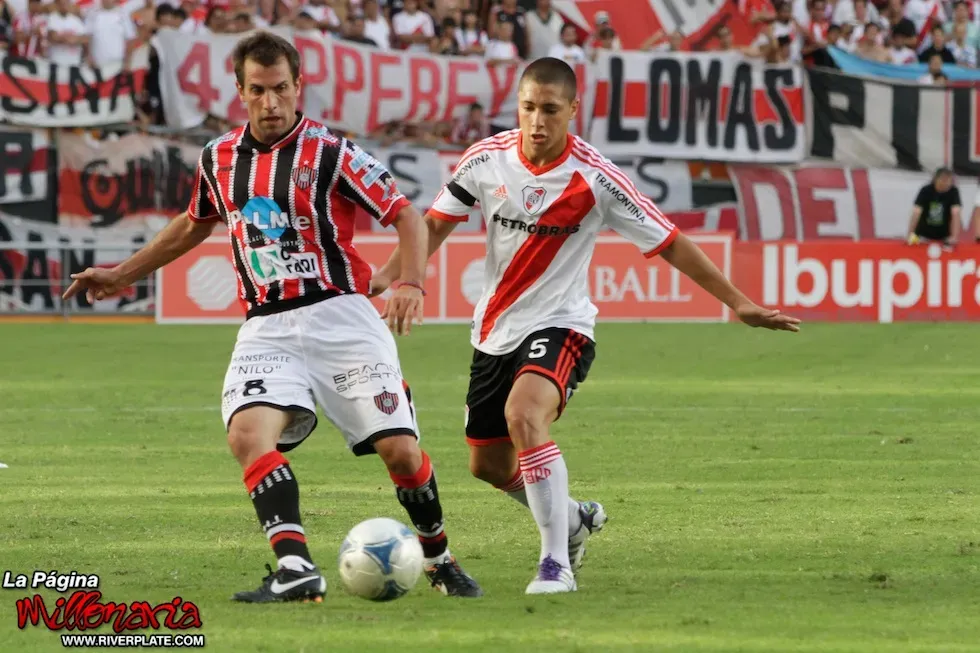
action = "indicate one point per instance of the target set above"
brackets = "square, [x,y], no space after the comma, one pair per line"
[500,193]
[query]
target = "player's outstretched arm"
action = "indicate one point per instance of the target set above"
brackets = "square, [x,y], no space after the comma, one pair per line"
[687,257]
[405,307]
[436,232]
[180,236]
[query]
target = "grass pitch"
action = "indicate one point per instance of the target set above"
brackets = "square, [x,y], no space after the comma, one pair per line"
[767,492]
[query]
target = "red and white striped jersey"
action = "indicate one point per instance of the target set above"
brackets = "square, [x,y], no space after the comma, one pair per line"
[290,210]
[542,224]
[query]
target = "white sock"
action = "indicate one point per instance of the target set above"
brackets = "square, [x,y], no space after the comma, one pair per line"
[515,490]
[296,563]
[546,485]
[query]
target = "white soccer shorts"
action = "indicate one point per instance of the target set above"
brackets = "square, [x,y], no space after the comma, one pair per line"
[337,353]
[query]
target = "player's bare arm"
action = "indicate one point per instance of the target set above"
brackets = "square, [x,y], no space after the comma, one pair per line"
[180,236]
[687,257]
[436,232]
[405,306]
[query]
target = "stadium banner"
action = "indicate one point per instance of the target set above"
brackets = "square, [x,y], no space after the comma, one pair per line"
[37,257]
[200,287]
[893,124]
[831,202]
[39,93]
[716,106]
[347,86]
[873,281]
[134,183]
[635,21]
[25,164]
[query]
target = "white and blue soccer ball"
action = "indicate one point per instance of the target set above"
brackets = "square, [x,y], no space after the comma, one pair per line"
[380,559]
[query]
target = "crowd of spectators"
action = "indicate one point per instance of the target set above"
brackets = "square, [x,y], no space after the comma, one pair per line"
[99,32]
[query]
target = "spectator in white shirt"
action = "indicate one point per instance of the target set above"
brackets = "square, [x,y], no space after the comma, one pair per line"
[413,28]
[568,50]
[112,32]
[67,37]
[544,27]
[964,52]
[901,53]
[324,15]
[935,74]
[502,49]
[471,39]
[376,26]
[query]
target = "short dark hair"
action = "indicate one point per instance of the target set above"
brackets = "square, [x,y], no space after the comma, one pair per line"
[549,70]
[265,49]
[938,26]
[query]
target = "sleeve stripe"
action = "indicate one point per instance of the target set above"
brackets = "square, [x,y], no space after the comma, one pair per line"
[460,193]
[627,186]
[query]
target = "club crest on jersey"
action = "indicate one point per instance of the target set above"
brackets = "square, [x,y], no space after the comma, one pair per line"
[533,199]
[304,177]
[386,402]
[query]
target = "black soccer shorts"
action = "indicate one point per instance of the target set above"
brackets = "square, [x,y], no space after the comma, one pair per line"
[561,355]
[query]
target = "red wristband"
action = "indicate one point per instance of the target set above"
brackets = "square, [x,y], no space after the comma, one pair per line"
[412,284]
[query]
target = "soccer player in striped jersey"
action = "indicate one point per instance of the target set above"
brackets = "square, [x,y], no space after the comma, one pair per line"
[545,194]
[287,188]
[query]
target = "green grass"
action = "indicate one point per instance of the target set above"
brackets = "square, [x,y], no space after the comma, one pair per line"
[768,492]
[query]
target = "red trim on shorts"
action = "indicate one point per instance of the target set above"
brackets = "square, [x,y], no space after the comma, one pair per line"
[287,535]
[486,442]
[262,468]
[551,376]
[418,479]
[445,217]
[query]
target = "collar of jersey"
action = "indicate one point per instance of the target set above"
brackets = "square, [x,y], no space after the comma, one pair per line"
[540,170]
[252,142]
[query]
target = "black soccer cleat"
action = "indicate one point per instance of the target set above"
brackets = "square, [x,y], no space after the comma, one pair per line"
[450,579]
[284,585]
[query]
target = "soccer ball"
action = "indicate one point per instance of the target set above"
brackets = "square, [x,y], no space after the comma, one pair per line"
[380,559]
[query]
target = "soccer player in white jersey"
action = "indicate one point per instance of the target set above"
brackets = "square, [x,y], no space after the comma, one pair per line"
[545,195]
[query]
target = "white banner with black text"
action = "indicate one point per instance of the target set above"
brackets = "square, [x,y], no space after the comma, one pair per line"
[715,106]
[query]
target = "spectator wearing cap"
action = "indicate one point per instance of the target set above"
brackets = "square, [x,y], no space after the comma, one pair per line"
[508,11]
[961,16]
[413,28]
[67,36]
[963,50]
[936,212]
[474,127]
[567,49]
[938,47]
[544,29]
[376,26]
[471,38]
[304,21]
[502,49]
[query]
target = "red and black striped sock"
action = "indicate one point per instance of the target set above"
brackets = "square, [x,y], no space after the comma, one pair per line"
[419,496]
[275,495]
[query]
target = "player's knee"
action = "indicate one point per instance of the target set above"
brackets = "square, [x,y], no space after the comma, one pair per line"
[401,455]
[524,419]
[246,437]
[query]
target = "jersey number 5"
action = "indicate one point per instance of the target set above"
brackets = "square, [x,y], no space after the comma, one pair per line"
[538,349]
